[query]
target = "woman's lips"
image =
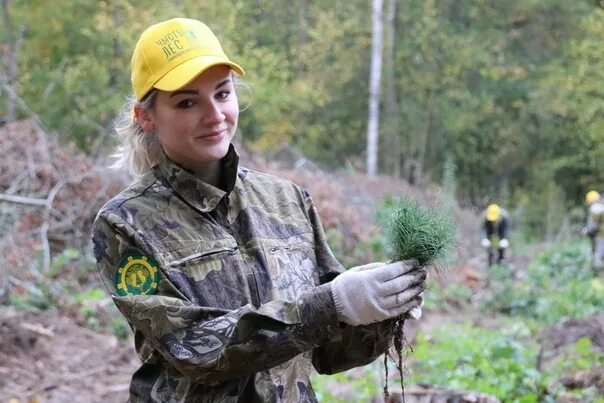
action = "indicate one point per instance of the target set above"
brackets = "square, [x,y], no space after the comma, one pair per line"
[214,135]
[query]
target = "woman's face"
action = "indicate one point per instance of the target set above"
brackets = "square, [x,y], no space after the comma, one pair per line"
[196,123]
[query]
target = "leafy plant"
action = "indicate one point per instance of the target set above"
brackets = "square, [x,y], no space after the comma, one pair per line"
[558,284]
[119,327]
[357,384]
[579,357]
[454,294]
[496,361]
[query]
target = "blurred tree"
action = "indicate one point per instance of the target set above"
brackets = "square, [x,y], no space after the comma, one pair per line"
[511,92]
[375,75]
[390,147]
[10,46]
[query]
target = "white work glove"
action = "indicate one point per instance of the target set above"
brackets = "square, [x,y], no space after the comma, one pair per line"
[485,243]
[416,312]
[377,292]
[503,243]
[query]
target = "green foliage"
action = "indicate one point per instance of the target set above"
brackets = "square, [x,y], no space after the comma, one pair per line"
[33,299]
[416,232]
[47,291]
[463,356]
[558,284]
[450,296]
[66,256]
[87,302]
[575,358]
[547,199]
[578,356]
[362,384]
[67,285]
[510,91]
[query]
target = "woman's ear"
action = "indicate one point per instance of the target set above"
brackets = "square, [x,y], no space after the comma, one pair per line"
[143,118]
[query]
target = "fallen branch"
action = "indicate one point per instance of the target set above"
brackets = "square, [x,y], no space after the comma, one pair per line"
[23,200]
[38,329]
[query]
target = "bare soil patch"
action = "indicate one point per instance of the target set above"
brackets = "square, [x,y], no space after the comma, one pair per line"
[47,357]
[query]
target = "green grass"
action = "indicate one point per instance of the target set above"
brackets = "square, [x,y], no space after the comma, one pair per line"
[500,362]
[558,284]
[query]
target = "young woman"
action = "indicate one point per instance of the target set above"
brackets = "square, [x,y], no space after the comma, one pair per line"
[224,273]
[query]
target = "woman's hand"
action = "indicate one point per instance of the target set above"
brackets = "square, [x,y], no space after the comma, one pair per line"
[379,291]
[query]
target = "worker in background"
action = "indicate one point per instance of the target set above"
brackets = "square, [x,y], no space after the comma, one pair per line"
[594,229]
[496,222]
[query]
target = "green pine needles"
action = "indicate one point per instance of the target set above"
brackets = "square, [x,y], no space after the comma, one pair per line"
[413,232]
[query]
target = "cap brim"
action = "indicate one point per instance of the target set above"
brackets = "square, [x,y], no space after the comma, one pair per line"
[186,72]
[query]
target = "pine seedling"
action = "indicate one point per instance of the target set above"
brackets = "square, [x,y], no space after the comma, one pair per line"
[413,232]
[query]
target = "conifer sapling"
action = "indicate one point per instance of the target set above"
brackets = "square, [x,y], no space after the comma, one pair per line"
[413,232]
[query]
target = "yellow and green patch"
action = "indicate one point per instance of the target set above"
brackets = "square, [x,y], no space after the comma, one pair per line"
[137,275]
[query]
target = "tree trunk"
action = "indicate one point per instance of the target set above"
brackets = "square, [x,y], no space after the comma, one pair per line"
[391,140]
[423,145]
[9,62]
[374,89]
[302,30]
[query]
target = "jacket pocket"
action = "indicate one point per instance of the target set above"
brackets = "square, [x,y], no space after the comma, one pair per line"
[292,268]
[191,256]
[212,276]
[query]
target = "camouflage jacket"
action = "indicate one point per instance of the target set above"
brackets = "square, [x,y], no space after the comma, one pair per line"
[227,292]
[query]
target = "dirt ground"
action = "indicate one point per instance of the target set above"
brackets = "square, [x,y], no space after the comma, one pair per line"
[48,357]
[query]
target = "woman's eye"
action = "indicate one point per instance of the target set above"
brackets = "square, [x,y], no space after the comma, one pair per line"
[223,94]
[185,103]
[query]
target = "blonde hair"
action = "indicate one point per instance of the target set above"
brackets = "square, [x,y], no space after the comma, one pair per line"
[140,151]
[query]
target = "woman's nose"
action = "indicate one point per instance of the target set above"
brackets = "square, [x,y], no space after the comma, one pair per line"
[212,113]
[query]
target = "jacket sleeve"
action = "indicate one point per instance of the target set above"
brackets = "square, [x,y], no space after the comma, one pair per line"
[358,345]
[208,344]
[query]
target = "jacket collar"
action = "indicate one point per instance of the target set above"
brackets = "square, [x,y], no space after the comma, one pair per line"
[199,194]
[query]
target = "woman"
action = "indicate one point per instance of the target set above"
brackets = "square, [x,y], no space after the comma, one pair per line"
[224,273]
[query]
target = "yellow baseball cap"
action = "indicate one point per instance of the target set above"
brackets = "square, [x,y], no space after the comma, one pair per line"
[592,196]
[170,54]
[493,212]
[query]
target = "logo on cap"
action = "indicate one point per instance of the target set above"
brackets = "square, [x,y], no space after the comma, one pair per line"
[177,42]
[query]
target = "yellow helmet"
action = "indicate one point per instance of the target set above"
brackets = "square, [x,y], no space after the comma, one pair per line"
[493,212]
[591,197]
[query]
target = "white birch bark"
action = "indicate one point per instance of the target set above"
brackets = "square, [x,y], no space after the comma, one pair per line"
[374,88]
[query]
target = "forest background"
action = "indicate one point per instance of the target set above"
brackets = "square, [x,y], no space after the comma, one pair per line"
[509,92]
[481,101]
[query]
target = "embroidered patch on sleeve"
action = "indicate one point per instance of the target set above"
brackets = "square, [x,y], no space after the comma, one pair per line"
[137,275]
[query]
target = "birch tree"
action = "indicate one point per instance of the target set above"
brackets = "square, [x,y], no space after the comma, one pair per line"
[374,88]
